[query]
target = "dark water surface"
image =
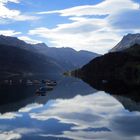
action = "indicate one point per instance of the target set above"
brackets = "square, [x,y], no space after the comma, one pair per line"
[72,111]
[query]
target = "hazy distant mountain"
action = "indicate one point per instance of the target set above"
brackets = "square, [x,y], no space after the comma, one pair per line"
[19,57]
[68,58]
[127,41]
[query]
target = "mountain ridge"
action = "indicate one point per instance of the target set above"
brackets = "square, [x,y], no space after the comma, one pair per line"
[67,57]
[51,60]
[126,42]
[121,67]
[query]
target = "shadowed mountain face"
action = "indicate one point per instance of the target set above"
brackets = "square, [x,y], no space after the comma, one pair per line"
[14,42]
[18,57]
[117,72]
[121,67]
[17,61]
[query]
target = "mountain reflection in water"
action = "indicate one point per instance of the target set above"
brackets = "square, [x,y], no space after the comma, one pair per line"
[72,111]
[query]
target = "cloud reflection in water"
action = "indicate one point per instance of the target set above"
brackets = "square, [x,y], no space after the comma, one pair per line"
[94,116]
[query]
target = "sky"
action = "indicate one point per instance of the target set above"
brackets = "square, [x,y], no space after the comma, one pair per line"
[93,25]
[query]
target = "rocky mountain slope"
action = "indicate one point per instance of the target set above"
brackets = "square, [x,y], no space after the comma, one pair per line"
[127,41]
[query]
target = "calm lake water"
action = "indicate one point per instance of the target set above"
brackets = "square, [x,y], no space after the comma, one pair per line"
[72,111]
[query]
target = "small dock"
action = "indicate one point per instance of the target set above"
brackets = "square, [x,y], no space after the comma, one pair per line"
[27,82]
[42,86]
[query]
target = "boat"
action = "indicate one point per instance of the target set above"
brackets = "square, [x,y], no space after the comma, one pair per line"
[41,91]
[51,83]
[50,88]
[29,83]
[36,82]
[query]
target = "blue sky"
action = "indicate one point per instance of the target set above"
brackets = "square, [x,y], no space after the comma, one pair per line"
[94,25]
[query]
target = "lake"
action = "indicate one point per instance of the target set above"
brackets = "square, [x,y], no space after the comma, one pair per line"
[72,111]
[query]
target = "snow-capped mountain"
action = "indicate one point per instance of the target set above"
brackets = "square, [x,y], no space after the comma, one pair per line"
[127,41]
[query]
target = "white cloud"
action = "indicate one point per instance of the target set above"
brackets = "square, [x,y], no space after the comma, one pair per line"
[91,135]
[82,33]
[12,14]
[17,133]
[21,17]
[88,30]
[9,32]
[5,1]
[126,20]
[95,116]
[10,115]
[92,111]
[7,13]
[29,40]
[9,135]
[25,131]
[30,107]
[103,8]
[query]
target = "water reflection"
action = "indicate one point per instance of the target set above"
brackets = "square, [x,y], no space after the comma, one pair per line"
[68,113]
[66,88]
[93,116]
[128,95]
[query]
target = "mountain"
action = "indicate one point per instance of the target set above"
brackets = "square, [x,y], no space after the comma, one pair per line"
[67,57]
[15,42]
[17,61]
[116,67]
[20,58]
[127,41]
